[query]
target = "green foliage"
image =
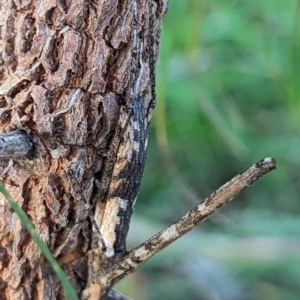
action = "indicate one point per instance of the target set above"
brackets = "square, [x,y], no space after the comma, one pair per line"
[228,89]
[69,290]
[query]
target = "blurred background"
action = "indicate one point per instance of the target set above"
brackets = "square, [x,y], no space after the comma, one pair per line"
[228,95]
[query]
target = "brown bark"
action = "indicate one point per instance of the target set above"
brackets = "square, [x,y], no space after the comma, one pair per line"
[70,70]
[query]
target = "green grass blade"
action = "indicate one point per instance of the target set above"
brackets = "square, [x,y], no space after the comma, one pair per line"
[69,290]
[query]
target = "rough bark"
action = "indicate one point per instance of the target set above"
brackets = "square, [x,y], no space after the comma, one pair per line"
[78,78]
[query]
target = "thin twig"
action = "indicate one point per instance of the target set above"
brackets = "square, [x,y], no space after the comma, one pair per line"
[114,295]
[219,198]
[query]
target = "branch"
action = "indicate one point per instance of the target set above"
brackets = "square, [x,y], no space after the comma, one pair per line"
[14,144]
[114,295]
[216,200]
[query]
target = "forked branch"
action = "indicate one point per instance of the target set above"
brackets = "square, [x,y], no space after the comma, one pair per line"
[219,198]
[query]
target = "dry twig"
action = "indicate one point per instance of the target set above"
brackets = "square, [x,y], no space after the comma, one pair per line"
[219,198]
[14,144]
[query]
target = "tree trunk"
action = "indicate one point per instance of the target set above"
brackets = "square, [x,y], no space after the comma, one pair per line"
[77,78]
